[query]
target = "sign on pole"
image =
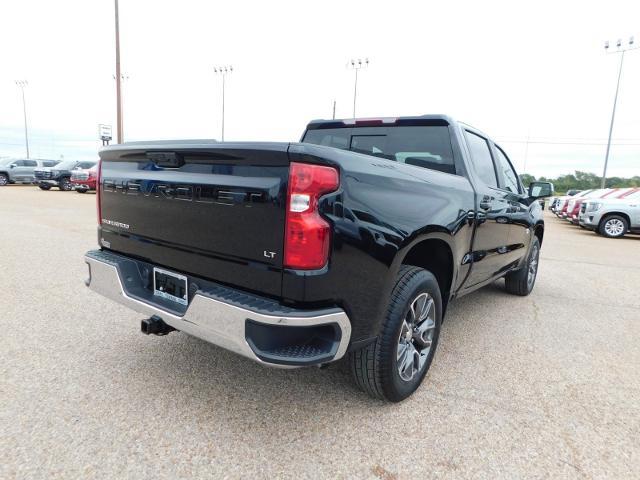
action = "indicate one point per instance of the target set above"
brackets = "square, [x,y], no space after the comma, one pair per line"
[104,132]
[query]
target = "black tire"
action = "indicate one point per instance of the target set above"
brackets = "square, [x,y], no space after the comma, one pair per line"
[4,179]
[613,226]
[44,187]
[375,368]
[520,282]
[65,184]
[82,190]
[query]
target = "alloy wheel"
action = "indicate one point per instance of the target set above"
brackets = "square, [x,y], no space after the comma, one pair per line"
[614,227]
[416,336]
[533,266]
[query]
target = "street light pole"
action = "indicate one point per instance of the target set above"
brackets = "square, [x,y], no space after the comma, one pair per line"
[621,50]
[22,84]
[119,88]
[357,65]
[118,78]
[223,71]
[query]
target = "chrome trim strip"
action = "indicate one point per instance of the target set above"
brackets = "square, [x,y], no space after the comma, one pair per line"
[209,319]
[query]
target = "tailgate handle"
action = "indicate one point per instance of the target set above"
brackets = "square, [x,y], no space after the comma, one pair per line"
[166,159]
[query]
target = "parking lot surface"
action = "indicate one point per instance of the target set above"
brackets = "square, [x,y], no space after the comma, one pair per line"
[546,386]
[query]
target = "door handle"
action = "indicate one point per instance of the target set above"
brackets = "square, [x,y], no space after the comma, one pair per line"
[485,203]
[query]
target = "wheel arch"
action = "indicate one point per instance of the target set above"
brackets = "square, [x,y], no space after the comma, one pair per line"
[434,253]
[609,214]
[539,232]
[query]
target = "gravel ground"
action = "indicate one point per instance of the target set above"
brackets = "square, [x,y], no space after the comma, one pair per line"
[546,386]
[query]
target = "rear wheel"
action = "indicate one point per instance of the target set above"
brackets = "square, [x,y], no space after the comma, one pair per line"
[521,281]
[614,226]
[44,186]
[65,184]
[81,190]
[4,179]
[393,367]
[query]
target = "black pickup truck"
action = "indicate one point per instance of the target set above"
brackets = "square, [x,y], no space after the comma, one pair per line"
[60,175]
[349,243]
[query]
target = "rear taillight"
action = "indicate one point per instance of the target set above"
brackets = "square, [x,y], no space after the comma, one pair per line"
[98,177]
[307,235]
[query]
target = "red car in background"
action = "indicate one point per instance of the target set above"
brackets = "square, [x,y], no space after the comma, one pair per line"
[573,215]
[85,179]
[561,209]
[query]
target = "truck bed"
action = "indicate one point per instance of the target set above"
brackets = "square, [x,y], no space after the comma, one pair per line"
[208,209]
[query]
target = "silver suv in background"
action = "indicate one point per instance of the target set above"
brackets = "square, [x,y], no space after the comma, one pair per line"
[21,170]
[612,218]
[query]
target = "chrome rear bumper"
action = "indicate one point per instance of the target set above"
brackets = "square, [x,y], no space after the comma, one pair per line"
[237,327]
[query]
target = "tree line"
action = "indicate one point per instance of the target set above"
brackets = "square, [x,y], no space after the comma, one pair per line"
[582,181]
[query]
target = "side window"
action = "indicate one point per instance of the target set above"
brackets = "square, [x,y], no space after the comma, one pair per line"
[19,163]
[30,163]
[506,170]
[86,164]
[481,156]
[49,163]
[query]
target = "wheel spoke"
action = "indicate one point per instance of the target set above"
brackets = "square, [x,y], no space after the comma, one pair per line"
[420,307]
[406,364]
[411,314]
[402,351]
[424,331]
[406,327]
[430,305]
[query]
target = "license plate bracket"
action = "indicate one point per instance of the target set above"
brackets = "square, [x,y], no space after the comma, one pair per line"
[170,285]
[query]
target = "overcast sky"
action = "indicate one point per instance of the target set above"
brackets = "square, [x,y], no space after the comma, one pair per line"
[515,70]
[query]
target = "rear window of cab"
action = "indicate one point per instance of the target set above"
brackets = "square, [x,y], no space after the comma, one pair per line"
[422,146]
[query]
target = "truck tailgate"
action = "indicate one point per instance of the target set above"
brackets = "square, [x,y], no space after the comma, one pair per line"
[211,210]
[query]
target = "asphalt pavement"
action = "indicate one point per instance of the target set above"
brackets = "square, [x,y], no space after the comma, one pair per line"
[546,386]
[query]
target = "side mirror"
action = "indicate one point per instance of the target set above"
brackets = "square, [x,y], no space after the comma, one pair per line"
[540,189]
[13,165]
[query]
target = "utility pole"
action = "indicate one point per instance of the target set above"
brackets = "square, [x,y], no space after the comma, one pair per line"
[526,152]
[357,65]
[118,78]
[620,49]
[22,84]
[223,71]
[334,109]
[119,88]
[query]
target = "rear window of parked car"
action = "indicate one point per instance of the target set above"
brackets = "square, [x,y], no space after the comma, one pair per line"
[421,146]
